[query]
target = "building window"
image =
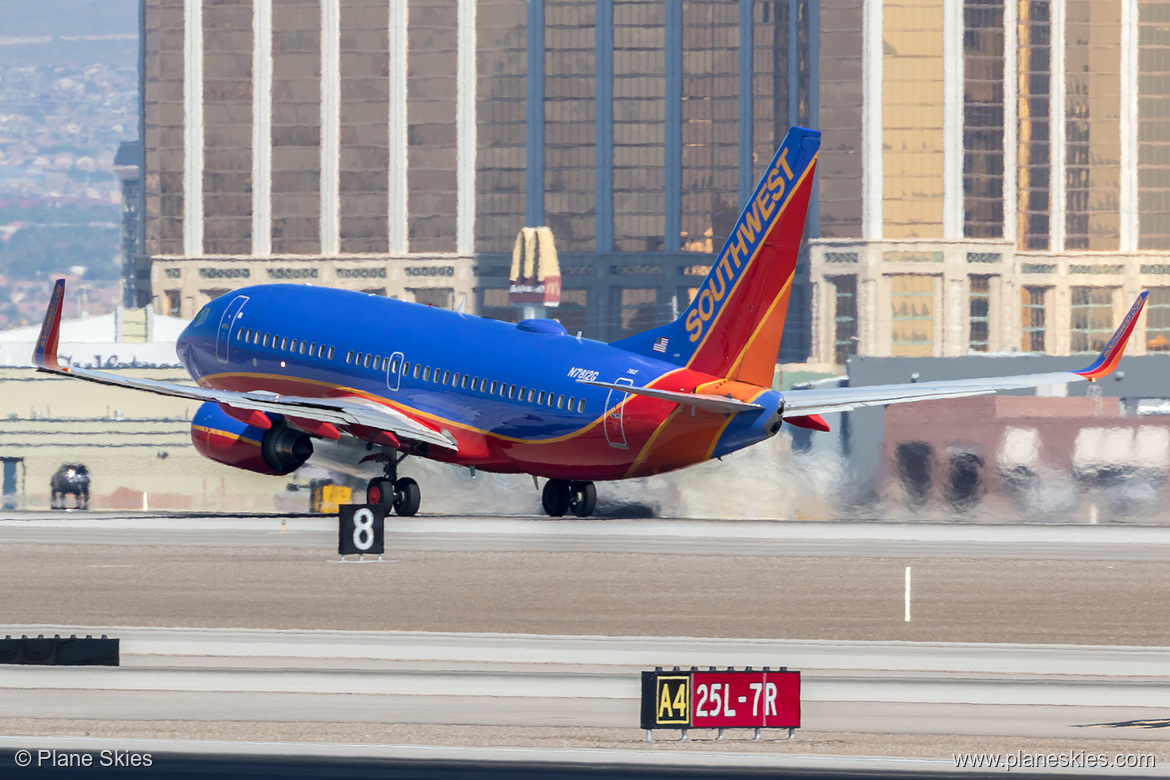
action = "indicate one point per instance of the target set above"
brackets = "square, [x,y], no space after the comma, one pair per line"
[912,300]
[1153,130]
[980,313]
[636,307]
[983,60]
[1092,318]
[174,303]
[1034,69]
[845,318]
[1158,320]
[1033,318]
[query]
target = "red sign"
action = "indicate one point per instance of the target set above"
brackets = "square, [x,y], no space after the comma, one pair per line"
[745,699]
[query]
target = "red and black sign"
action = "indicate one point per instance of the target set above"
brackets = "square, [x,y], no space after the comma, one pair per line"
[729,699]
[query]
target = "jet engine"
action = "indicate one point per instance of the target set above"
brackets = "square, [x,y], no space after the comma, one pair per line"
[277,449]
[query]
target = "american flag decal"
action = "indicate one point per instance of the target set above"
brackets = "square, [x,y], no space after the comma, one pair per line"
[660,345]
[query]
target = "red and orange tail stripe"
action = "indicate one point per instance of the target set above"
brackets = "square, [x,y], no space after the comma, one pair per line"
[45,352]
[1111,355]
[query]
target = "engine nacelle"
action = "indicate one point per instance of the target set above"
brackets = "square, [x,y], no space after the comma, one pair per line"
[279,450]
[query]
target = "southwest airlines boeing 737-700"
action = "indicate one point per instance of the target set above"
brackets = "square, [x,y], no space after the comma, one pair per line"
[278,367]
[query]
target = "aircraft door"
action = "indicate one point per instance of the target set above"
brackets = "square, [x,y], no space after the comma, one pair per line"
[615,426]
[394,372]
[223,337]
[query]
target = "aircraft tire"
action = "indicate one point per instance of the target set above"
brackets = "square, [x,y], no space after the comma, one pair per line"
[380,492]
[584,499]
[407,497]
[555,497]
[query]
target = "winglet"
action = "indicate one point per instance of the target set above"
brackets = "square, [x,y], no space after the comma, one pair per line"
[45,353]
[1107,361]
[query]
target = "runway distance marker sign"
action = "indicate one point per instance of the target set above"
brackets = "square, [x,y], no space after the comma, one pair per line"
[727,699]
[361,529]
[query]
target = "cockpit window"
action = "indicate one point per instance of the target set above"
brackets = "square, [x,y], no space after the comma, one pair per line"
[201,317]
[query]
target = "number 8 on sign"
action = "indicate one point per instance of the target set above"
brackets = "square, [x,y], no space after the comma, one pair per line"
[363,529]
[360,529]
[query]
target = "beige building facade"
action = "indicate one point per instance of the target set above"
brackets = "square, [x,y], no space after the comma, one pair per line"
[1015,172]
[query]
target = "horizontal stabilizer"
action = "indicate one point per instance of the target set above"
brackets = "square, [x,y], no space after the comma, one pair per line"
[708,403]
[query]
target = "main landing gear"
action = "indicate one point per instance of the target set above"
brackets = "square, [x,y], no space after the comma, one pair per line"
[402,495]
[561,496]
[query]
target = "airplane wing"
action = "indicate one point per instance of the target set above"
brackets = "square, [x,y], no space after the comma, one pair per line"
[337,411]
[710,403]
[802,403]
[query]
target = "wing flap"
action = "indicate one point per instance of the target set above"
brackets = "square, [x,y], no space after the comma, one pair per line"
[336,411]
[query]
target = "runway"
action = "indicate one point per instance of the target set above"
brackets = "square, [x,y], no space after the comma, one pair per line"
[528,534]
[489,631]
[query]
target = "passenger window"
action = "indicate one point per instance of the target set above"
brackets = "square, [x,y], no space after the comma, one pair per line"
[465,380]
[265,340]
[427,374]
[394,366]
[531,395]
[284,343]
[321,351]
[581,406]
[493,390]
[522,389]
[385,364]
[455,379]
[331,353]
[560,402]
[405,368]
[511,391]
[349,356]
[446,377]
[303,347]
[474,383]
[366,362]
[417,369]
[572,403]
[313,349]
[540,398]
[256,338]
[292,345]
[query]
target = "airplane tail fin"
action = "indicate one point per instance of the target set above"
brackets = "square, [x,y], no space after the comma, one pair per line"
[45,352]
[732,327]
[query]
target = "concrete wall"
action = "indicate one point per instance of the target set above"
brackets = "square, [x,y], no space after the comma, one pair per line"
[131,442]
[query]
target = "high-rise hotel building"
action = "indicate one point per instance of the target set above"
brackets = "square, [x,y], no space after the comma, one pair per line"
[994,174]
[398,146]
[1015,186]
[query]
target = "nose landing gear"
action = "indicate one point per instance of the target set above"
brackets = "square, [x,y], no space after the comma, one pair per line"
[402,495]
[561,496]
